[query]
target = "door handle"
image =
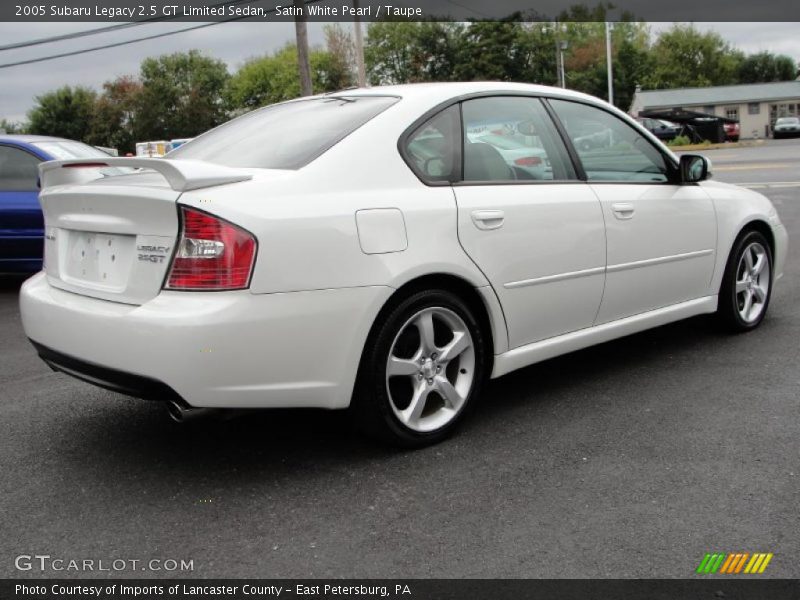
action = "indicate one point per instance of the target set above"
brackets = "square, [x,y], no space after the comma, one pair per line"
[488,219]
[623,210]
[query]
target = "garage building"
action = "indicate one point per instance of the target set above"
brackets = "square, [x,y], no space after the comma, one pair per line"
[756,106]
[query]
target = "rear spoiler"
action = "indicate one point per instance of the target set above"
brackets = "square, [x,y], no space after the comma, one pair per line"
[182,175]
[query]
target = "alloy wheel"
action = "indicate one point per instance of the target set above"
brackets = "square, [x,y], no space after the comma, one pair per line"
[430,369]
[753,279]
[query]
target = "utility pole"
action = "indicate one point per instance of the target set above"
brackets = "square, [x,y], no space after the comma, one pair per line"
[303,64]
[362,73]
[561,45]
[558,54]
[609,64]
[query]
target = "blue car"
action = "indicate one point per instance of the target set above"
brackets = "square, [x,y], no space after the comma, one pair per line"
[21,223]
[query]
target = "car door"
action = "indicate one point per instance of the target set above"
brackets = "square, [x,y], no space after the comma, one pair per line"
[21,221]
[525,219]
[661,235]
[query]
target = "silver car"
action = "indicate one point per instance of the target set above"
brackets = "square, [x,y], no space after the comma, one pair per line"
[786,127]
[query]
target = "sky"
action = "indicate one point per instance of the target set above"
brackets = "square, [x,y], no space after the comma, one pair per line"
[232,42]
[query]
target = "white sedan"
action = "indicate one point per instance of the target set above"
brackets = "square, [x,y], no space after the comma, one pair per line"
[358,250]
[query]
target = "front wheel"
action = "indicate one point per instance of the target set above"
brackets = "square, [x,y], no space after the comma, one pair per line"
[747,284]
[423,367]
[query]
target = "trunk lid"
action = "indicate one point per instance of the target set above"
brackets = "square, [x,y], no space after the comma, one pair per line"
[114,238]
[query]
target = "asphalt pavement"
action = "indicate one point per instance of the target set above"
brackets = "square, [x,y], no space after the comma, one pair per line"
[631,459]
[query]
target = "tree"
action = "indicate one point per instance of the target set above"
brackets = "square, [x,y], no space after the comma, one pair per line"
[181,95]
[12,127]
[632,64]
[765,67]
[493,50]
[685,57]
[410,52]
[336,69]
[66,112]
[274,78]
[586,66]
[114,121]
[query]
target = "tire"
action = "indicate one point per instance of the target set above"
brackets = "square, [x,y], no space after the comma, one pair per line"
[747,284]
[438,354]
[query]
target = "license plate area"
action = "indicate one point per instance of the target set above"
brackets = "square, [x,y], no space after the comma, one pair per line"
[98,260]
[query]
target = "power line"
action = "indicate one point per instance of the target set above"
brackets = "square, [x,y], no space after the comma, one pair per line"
[134,41]
[472,10]
[114,45]
[99,30]
[69,36]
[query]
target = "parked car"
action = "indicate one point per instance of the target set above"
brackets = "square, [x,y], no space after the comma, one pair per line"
[732,131]
[21,231]
[341,268]
[523,155]
[663,130]
[786,127]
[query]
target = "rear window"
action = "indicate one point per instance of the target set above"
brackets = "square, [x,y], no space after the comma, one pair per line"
[63,150]
[284,136]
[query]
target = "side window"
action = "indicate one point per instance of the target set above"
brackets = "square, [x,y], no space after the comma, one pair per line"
[434,147]
[609,148]
[18,170]
[509,138]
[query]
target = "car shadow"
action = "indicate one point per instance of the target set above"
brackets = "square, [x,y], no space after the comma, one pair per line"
[298,442]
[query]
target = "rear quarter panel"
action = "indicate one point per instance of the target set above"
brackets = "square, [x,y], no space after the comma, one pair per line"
[305,220]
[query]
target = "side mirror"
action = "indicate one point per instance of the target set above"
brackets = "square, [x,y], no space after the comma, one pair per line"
[694,168]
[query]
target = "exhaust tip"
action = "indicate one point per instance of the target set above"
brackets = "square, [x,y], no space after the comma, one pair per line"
[181,414]
[175,412]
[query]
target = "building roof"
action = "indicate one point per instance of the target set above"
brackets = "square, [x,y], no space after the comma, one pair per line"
[721,94]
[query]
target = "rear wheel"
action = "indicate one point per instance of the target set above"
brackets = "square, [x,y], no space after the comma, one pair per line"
[422,369]
[747,284]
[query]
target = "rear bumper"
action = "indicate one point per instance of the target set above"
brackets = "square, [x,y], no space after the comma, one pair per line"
[110,379]
[224,349]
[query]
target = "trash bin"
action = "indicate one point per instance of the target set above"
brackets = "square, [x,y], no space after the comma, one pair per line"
[711,130]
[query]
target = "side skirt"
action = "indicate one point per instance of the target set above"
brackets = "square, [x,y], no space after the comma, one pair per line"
[583,338]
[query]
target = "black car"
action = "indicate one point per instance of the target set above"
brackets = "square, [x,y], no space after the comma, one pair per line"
[663,130]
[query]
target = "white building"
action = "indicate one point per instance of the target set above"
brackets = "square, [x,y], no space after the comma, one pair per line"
[755,105]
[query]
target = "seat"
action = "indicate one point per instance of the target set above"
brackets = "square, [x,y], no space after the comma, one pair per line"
[482,162]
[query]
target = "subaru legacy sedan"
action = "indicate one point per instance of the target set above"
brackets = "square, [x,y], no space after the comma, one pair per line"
[370,250]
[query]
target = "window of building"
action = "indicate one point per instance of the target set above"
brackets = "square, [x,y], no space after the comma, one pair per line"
[753,108]
[709,110]
[732,112]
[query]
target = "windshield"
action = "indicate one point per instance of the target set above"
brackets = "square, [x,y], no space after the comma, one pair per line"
[284,136]
[65,149]
[787,121]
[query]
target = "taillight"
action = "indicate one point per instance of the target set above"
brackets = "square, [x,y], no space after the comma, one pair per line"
[528,161]
[212,254]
